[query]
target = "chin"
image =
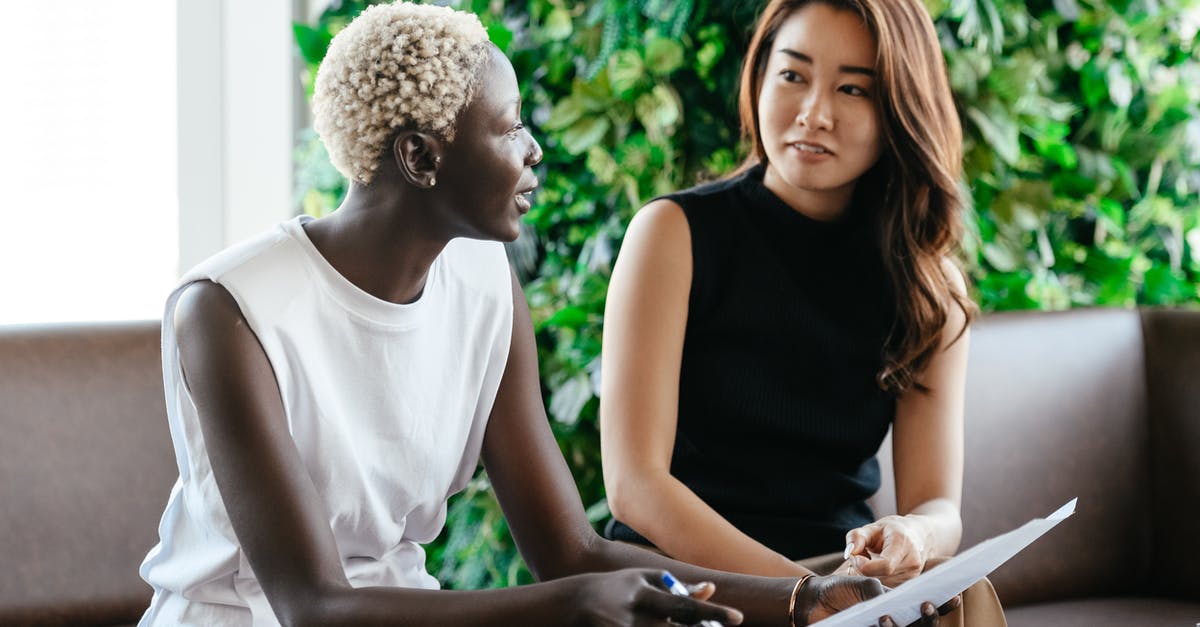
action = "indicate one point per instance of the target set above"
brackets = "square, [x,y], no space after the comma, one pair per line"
[505,234]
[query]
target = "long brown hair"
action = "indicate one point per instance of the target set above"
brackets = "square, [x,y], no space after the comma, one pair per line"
[914,193]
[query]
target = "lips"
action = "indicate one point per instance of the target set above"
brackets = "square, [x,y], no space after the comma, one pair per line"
[524,197]
[524,201]
[812,148]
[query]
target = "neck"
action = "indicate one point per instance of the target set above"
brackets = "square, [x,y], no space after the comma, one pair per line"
[822,205]
[381,240]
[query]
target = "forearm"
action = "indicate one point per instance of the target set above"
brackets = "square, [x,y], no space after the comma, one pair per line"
[763,600]
[549,604]
[942,524]
[680,524]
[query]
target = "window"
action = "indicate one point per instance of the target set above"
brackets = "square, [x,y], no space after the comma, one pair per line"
[88,218]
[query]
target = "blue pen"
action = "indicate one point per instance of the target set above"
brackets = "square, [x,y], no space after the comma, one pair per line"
[679,589]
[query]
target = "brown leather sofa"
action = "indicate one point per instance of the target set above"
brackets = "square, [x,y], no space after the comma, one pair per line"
[86,465]
[1103,405]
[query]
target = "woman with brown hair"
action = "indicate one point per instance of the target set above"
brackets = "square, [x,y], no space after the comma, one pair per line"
[763,332]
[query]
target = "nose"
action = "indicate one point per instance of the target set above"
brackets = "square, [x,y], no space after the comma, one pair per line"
[534,156]
[816,111]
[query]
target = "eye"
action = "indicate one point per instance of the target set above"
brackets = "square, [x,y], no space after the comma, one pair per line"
[855,90]
[791,76]
[516,128]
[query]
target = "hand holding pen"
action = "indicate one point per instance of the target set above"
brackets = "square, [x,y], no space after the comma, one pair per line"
[679,589]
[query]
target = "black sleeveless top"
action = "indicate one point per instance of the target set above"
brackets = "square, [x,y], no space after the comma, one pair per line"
[780,414]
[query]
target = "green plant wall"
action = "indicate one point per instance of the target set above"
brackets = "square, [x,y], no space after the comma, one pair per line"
[1082,158]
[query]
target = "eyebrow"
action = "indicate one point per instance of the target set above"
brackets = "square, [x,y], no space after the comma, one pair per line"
[845,69]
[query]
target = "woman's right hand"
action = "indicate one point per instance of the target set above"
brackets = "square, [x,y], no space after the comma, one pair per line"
[637,597]
[822,597]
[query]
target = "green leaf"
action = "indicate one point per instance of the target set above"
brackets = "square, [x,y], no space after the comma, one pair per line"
[1001,257]
[571,317]
[564,114]
[999,131]
[1120,85]
[1058,152]
[558,25]
[625,72]
[499,34]
[313,42]
[1164,286]
[568,399]
[1112,215]
[585,133]
[663,56]
[601,163]
[1068,9]
[658,111]
[598,511]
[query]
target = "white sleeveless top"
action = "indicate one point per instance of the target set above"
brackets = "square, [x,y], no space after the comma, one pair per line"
[387,405]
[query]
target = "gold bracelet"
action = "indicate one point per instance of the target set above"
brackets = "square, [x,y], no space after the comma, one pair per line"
[792,602]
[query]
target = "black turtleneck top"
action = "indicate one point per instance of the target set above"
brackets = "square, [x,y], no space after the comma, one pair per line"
[780,415]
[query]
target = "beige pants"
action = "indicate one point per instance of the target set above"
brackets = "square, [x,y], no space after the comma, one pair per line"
[980,606]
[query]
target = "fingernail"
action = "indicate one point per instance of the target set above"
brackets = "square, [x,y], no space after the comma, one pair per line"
[735,617]
[846,553]
[928,609]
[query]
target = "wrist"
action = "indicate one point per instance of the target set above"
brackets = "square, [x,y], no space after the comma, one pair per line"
[924,533]
[576,596]
[796,605]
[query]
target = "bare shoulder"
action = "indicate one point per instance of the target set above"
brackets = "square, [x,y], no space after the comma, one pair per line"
[958,308]
[211,331]
[658,232]
[662,224]
[206,307]
[956,277]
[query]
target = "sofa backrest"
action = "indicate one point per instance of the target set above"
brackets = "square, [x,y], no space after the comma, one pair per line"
[1173,391]
[1056,409]
[86,465]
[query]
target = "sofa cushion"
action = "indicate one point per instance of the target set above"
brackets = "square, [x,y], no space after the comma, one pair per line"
[1112,612]
[1055,408]
[87,464]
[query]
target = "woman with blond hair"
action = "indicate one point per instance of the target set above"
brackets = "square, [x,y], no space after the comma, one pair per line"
[763,332]
[332,382]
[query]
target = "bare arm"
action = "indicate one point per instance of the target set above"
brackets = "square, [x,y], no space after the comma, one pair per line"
[542,506]
[927,446]
[280,523]
[644,323]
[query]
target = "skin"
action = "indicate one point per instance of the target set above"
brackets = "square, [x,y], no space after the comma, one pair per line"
[383,239]
[816,89]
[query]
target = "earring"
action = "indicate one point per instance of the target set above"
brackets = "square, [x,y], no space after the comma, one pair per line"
[432,181]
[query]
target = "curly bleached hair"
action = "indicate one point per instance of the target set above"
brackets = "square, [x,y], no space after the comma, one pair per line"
[395,66]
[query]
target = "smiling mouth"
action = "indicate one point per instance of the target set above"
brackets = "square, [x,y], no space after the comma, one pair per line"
[816,149]
[524,200]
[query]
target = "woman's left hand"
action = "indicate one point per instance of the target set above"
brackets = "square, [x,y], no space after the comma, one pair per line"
[892,549]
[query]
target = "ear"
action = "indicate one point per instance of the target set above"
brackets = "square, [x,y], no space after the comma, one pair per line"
[418,157]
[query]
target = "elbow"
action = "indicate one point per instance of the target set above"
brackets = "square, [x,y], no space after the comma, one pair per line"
[582,551]
[310,608]
[622,496]
[631,496]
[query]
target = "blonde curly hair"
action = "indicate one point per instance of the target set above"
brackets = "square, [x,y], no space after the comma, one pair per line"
[395,66]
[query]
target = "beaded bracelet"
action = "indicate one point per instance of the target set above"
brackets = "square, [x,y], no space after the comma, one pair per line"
[792,602]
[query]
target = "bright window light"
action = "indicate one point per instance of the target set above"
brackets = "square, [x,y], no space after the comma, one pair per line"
[88,216]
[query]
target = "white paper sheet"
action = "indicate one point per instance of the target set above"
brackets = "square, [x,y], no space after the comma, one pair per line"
[951,577]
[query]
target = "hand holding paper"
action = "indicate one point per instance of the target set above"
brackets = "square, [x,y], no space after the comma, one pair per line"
[947,580]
